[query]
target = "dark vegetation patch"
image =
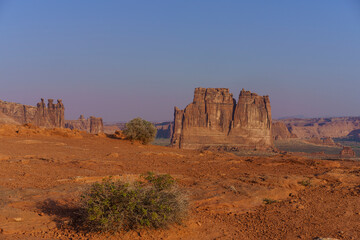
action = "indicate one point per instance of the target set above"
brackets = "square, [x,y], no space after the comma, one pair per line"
[111,206]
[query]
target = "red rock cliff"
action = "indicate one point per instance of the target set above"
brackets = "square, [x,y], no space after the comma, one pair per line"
[51,115]
[214,119]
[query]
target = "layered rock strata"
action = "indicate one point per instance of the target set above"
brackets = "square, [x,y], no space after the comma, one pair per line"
[50,115]
[322,127]
[91,125]
[215,120]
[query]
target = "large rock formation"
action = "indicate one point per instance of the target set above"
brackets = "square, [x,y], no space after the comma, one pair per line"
[214,119]
[51,115]
[91,125]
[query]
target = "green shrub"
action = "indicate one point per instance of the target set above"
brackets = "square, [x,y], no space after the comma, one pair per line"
[140,130]
[305,183]
[269,201]
[114,205]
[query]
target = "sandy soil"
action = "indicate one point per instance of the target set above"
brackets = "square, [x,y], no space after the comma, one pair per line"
[42,175]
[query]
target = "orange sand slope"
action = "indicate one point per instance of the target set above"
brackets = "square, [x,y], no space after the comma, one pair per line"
[43,173]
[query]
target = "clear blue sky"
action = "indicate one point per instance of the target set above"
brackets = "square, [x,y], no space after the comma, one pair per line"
[123,59]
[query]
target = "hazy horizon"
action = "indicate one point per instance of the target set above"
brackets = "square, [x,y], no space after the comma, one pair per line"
[124,59]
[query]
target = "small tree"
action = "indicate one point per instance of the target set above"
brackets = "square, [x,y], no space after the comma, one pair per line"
[140,130]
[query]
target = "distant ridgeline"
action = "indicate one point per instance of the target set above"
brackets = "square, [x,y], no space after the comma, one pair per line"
[317,129]
[49,116]
[215,120]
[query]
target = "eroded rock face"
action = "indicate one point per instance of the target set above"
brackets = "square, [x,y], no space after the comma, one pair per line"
[347,152]
[280,131]
[214,119]
[91,125]
[49,116]
[96,125]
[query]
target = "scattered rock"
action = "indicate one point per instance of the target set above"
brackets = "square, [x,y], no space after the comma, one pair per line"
[18,219]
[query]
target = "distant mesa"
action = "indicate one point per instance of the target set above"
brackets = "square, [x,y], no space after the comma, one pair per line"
[215,120]
[335,127]
[280,131]
[50,115]
[347,152]
[164,129]
[327,141]
[91,125]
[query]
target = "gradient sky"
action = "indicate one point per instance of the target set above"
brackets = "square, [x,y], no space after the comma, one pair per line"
[123,59]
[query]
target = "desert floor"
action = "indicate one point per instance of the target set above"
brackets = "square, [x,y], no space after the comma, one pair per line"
[42,175]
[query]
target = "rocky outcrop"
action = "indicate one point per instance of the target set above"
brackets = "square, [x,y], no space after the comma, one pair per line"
[214,119]
[91,125]
[96,125]
[49,116]
[280,131]
[347,152]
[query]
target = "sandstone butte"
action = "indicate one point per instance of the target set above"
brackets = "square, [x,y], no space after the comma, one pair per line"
[92,125]
[48,116]
[215,120]
[347,152]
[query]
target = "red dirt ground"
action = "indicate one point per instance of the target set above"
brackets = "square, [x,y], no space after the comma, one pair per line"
[43,173]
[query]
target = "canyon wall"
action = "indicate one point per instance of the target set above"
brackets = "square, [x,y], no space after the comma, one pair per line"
[215,120]
[50,115]
[91,125]
[322,127]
